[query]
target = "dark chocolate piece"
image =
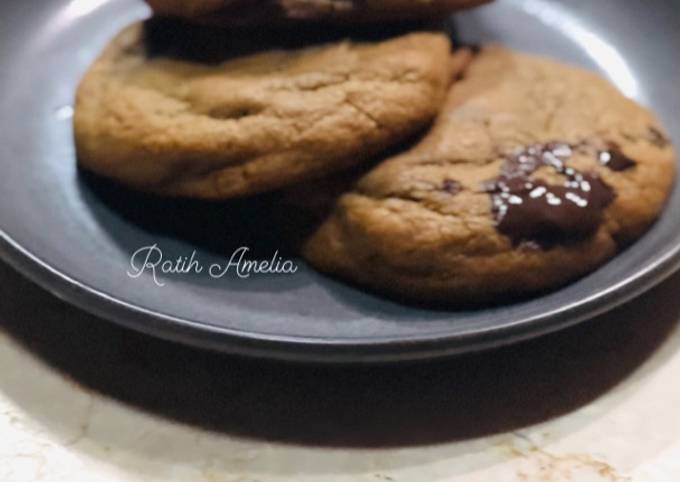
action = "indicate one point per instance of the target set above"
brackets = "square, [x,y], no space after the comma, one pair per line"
[658,138]
[615,159]
[527,209]
[451,186]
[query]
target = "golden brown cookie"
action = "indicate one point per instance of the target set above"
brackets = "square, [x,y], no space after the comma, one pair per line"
[248,12]
[534,174]
[175,126]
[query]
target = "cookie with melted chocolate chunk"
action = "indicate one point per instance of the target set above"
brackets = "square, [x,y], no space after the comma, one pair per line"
[152,115]
[249,12]
[534,174]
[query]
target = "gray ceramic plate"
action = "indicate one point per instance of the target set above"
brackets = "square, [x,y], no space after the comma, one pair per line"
[75,235]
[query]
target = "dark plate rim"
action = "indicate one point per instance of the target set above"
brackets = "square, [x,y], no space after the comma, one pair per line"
[239,340]
[324,350]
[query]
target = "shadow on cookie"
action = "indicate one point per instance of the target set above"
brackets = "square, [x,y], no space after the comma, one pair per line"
[211,44]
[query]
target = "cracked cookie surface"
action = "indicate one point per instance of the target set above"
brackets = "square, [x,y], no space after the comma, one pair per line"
[534,174]
[248,124]
[277,11]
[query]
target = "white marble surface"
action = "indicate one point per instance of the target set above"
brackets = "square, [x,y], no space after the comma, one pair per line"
[83,401]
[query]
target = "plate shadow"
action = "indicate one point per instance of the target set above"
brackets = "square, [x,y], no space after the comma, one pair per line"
[371,406]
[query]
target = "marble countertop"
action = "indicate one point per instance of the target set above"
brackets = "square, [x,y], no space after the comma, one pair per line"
[84,401]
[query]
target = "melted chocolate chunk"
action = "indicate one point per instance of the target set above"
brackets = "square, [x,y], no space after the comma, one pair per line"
[451,186]
[658,138]
[615,159]
[527,209]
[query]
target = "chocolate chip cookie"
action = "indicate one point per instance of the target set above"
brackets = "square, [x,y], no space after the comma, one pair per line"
[247,12]
[154,119]
[534,174]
